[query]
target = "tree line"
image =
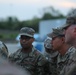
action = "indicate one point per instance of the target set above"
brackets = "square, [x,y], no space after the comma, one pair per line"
[12,23]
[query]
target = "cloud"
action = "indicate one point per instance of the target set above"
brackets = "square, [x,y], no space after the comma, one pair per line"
[18,1]
[41,3]
[21,8]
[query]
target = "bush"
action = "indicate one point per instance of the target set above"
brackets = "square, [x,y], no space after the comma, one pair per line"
[1,36]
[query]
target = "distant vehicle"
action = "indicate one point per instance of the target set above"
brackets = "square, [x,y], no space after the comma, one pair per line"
[38,43]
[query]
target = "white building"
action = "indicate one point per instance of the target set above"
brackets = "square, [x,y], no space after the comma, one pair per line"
[46,26]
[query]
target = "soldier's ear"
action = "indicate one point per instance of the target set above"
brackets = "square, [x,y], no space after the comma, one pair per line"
[75,29]
[33,39]
[63,39]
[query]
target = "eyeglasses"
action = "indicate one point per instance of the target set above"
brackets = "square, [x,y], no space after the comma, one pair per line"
[25,37]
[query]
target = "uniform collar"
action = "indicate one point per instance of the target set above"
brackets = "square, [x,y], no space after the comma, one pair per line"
[27,54]
[68,54]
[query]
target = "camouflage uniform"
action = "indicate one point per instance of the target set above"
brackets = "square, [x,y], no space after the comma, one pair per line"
[3,51]
[53,66]
[51,56]
[70,67]
[33,61]
[48,48]
[7,68]
[63,60]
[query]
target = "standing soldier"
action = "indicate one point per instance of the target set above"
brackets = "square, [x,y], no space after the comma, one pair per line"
[28,57]
[51,56]
[65,50]
[70,38]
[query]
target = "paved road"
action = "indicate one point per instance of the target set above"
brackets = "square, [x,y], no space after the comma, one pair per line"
[12,47]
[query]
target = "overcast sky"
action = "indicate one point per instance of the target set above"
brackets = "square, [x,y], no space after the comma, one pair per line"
[27,9]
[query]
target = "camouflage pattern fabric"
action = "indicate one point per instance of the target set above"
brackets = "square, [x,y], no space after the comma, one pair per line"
[52,63]
[47,43]
[66,61]
[71,19]
[34,61]
[51,56]
[3,50]
[53,66]
[27,31]
[56,32]
[70,68]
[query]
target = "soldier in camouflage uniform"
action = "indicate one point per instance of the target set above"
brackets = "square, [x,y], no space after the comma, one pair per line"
[51,56]
[47,45]
[65,50]
[70,38]
[28,57]
[7,68]
[3,51]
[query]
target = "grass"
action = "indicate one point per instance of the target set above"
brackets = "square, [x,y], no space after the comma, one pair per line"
[8,36]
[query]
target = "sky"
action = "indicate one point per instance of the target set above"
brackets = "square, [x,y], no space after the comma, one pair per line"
[28,9]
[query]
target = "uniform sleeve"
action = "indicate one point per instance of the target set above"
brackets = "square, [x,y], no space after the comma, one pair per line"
[42,66]
[13,57]
[70,67]
[72,70]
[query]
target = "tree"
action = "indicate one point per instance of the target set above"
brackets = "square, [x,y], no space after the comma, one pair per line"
[51,13]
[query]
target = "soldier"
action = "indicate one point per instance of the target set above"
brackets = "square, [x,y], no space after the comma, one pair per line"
[7,68]
[58,43]
[28,57]
[70,38]
[3,51]
[70,28]
[51,56]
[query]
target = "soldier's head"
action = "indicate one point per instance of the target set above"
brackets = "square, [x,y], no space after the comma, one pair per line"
[3,50]
[70,27]
[58,38]
[48,47]
[26,37]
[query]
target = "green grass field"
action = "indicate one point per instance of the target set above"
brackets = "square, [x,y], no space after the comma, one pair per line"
[8,36]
